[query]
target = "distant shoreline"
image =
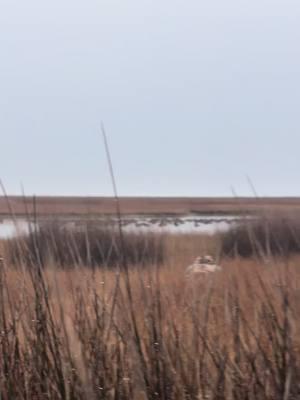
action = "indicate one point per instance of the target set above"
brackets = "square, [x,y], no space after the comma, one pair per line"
[145,206]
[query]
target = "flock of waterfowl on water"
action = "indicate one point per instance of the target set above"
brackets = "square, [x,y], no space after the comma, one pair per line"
[161,222]
[143,221]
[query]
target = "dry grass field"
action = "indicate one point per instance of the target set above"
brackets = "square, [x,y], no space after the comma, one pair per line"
[80,206]
[147,332]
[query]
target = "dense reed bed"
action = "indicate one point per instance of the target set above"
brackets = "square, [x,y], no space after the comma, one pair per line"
[148,333]
[265,236]
[88,246]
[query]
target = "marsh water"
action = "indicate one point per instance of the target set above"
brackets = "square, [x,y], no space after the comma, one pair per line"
[206,224]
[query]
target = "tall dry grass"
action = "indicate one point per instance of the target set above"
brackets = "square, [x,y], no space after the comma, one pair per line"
[148,333]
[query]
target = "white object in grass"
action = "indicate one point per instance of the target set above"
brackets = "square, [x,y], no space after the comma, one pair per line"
[203,265]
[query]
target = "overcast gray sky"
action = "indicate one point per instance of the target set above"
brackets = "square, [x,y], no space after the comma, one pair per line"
[195,95]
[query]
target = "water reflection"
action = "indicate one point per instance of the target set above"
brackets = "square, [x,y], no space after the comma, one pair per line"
[10,228]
